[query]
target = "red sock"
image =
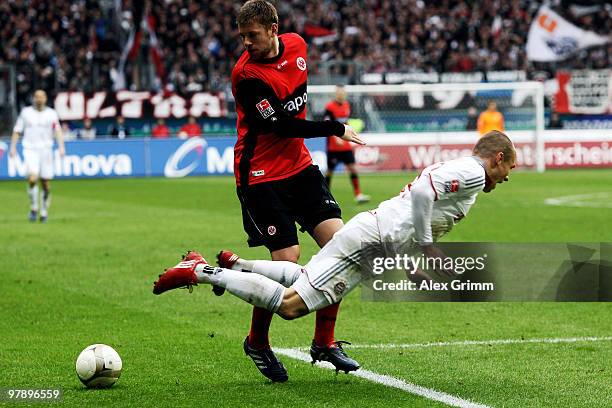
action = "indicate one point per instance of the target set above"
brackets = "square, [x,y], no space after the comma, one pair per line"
[355,182]
[260,325]
[325,324]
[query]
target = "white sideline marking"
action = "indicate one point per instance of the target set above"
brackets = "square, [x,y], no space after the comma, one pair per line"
[481,342]
[476,343]
[390,382]
[591,200]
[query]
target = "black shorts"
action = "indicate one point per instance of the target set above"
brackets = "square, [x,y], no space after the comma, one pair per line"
[333,158]
[270,210]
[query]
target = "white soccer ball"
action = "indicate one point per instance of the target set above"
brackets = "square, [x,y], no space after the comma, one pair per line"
[98,366]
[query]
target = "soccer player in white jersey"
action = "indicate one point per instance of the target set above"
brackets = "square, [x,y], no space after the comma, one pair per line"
[38,124]
[424,211]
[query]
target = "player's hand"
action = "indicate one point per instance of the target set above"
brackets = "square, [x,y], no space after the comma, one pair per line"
[431,251]
[62,151]
[13,152]
[352,136]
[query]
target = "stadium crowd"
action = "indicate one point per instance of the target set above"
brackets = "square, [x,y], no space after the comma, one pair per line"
[77,44]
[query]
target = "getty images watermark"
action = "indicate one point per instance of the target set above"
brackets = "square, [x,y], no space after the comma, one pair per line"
[471,272]
[416,266]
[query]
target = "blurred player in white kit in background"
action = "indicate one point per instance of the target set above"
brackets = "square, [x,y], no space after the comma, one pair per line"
[38,124]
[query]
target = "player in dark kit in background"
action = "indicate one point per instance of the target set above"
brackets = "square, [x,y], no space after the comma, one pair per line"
[338,150]
[277,184]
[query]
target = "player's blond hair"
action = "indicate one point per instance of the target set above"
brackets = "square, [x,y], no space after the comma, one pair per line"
[257,11]
[494,142]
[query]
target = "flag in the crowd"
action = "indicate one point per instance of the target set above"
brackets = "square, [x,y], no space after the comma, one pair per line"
[132,45]
[496,26]
[319,34]
[156,51]
[552,38]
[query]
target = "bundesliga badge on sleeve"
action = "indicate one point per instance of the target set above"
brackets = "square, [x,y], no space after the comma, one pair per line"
[265,108]
[451,186]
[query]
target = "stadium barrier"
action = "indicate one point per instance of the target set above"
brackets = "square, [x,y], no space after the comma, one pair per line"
[384,152]
[141,157]
[408,151]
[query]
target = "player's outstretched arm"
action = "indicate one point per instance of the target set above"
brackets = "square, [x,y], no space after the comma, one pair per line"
[423,195]
[263,110]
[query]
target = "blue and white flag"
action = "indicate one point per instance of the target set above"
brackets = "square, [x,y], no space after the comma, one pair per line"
[552,38]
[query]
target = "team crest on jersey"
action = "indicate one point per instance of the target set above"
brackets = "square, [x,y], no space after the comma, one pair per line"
[451,186]
[339,288]
[301,63]
[271,230]
[265,108]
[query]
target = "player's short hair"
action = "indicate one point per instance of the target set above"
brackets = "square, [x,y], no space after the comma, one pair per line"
[257,11]
[494,142]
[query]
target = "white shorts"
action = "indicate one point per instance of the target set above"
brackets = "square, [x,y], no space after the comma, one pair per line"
[39,162]
[335,270]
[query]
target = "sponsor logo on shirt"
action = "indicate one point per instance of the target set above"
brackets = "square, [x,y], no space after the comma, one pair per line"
[265,108]
[258,173]
[282,64]
[451,186]
[271,230]
[296,103]
[301,63]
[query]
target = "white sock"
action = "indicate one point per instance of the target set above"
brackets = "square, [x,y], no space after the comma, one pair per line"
[283,272]
[33,194]
[46,202]
[250,287]
[243,265]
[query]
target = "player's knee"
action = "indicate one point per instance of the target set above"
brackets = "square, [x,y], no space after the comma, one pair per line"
[291,312]
[292,306]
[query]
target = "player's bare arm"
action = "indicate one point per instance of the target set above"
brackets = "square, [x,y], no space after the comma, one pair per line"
[13,149]
[60,141]
[423,196]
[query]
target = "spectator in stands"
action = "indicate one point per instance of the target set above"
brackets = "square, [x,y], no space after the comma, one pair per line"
[120,130]
[87,132]
[68,133]
[472,119]
[555,121]
[490,119]
[190,129]
[160,130]
[72,44]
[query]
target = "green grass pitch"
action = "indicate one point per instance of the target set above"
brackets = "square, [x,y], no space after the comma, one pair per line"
[86,277]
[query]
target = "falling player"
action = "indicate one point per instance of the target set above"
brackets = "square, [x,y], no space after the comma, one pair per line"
[277,183]
[38,123]
[421,214]
[338,150]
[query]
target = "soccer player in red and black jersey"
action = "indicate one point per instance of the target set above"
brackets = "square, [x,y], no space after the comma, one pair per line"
[277,183]
[339,150]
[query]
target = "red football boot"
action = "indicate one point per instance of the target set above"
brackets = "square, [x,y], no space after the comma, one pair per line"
[225,259]
[182,275]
